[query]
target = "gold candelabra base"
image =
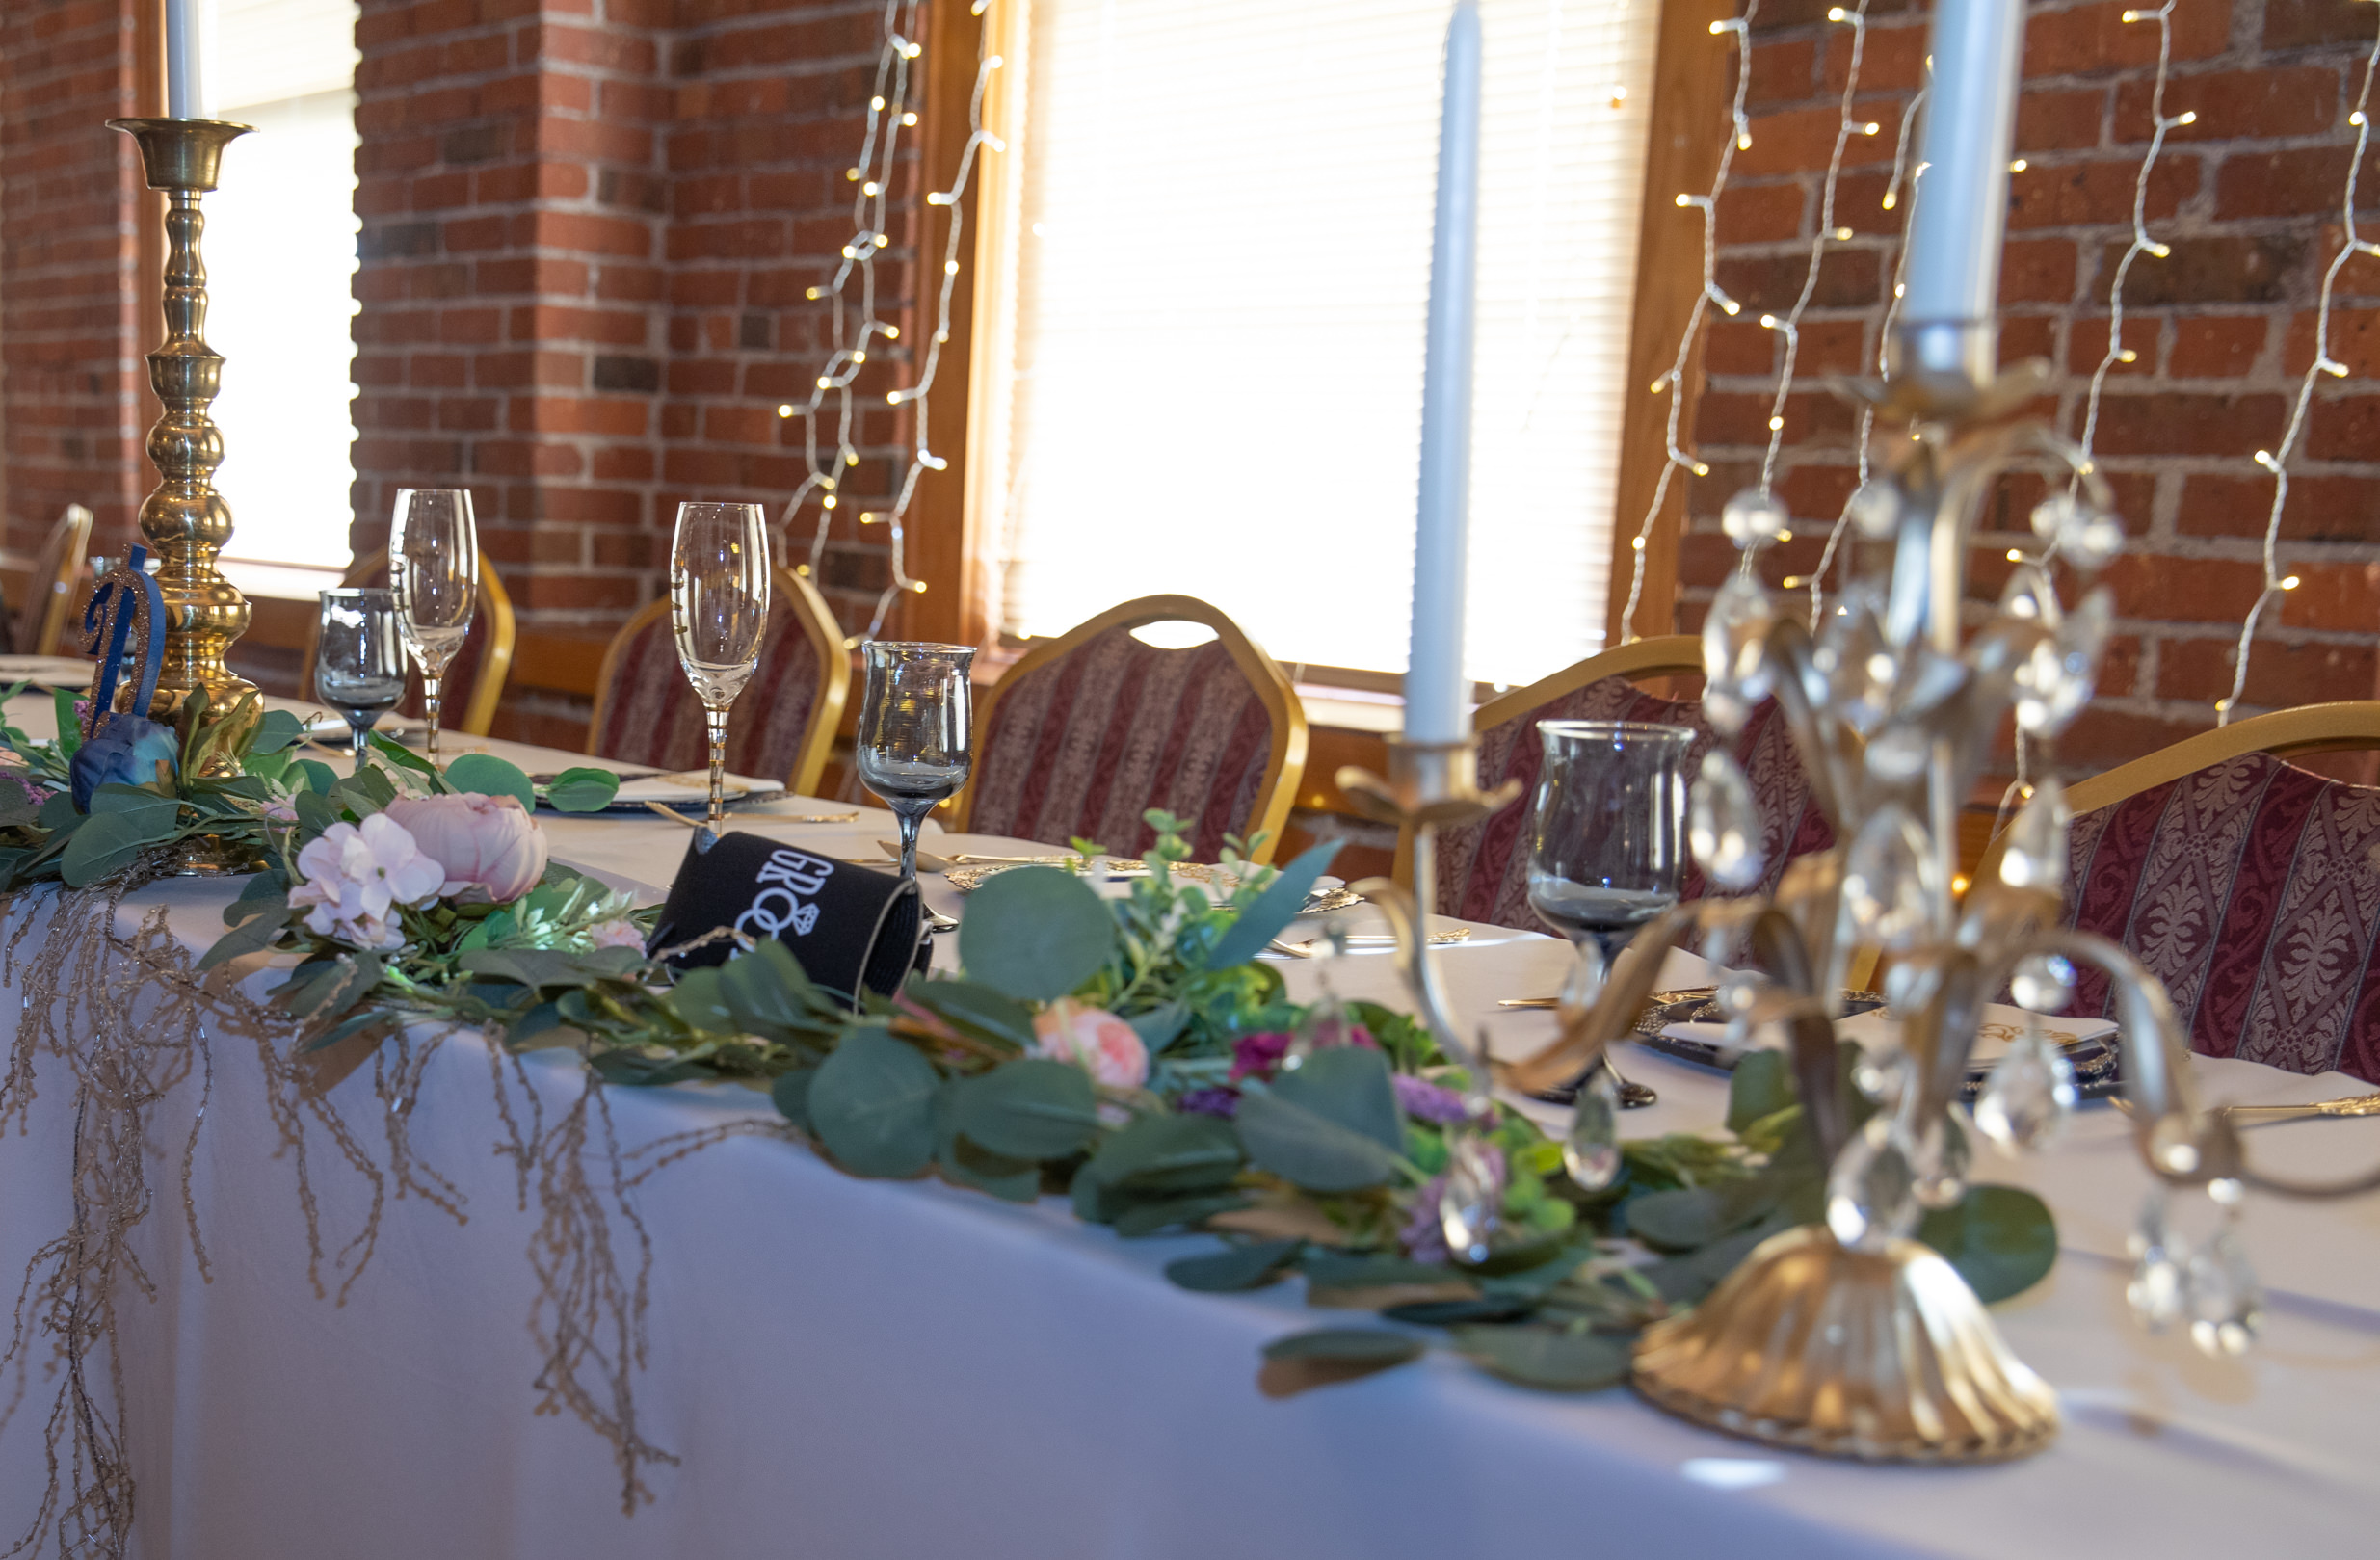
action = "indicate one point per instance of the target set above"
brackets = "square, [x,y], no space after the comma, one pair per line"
[1883,1357]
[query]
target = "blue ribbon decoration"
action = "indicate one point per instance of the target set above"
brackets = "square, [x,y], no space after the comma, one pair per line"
[125,602]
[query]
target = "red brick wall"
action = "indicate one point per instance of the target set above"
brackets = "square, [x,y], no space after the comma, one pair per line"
[2247,197]
[589,226]
[71,327]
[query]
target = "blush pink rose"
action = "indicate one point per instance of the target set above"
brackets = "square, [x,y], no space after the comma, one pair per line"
[1093,1040]
[489,845]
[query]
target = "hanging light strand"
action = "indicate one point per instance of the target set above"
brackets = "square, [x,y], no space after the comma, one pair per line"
[2277,461]
[890,111]
[1673,383]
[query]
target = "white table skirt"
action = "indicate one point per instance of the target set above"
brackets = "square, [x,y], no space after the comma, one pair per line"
[851,1368]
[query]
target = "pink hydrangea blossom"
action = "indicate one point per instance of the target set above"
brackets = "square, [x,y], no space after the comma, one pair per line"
[357,875]
[489,845]
[1093,1040]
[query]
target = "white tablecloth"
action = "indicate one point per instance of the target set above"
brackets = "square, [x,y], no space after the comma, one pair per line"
[851,1368]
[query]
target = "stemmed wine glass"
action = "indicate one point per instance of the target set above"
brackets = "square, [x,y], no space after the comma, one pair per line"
[434,575]
[719,607]
[1608,843]
[915,741]
[359,658]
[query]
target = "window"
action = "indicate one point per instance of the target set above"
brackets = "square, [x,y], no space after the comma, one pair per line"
[1206,263]
[280,253]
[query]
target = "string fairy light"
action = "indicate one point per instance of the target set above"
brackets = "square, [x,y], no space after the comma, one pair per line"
[2277,461]
[1673,381]
[890,112]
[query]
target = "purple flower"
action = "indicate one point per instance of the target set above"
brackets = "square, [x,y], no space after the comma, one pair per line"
[1223,1103]
[1258,1056]
[1427,1101]
[1424,1235]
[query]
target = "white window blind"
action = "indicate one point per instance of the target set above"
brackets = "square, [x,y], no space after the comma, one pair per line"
[280,255]
[1206,292]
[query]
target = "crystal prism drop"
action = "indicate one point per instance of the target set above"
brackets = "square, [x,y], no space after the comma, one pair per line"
[1735,651]
[1900,754]
[1883,881]
[2058,677]
[1469,1207]
[2027,1097]
[2035,854]
[1754,518]
[2043,981]
[1722,823]
[2031,595]
[2160,1284]
[1875,509]
[1942,1162]
[1590,1153]
[1851,657]
[2225,1303]
[1871,1193]
[2088,536]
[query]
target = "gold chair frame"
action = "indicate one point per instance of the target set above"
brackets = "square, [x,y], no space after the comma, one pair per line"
[826,637]
[1283,769]
[56,568]
[2346,726]
[1668,655]
[479,709]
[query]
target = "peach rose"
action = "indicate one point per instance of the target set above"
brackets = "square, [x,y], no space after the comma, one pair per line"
[1093,1040]
[486,843]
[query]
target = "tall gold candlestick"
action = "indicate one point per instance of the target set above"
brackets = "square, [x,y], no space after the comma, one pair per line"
[186,520]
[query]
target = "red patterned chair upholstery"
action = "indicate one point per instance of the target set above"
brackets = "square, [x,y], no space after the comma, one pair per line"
[783,722]
[2246,884]
[474,681]
[1483,870]
[1089,731]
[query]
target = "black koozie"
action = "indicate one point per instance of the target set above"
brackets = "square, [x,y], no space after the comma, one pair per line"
[849,926]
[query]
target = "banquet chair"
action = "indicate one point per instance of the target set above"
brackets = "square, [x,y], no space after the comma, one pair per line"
[2245,883]
[40,623]
[478,670]
[783,724]
[1090,730]
[1482,869]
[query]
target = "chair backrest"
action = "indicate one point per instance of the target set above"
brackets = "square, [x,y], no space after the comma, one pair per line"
[2245,883]
[1482,869]
[50,589]
[474,682]
[1090,730]
[783,722]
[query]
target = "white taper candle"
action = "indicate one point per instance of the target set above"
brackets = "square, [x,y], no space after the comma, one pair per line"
[185,74]
[1437,696]
[1970,119]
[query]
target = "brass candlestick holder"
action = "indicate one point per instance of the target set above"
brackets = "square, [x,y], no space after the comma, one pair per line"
[186,520]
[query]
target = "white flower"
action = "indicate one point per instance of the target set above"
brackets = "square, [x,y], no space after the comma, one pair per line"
[355,876]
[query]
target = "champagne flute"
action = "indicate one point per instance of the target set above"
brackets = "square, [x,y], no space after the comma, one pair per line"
[917,736]
[719,607]
[1607,846]
[359,659]
[434,573]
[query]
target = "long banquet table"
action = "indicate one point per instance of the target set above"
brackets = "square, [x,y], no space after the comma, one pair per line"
[855,1368]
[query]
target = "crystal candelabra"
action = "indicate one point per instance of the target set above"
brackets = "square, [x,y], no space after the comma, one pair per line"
[1850,1338]
[186,520]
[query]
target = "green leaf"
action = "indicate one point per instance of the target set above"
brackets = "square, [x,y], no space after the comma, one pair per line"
[160,816]
[254,932]
[1326,1269]
[1035,933]
[70,728]
[1350,1085]
[1309,1151]
[323,989]
[59,812]
[278,730]
[1452,1312]
[315,813]
[355,1023]
[106,844]
[2001,1238]
[540,967]
[583,790]
[1689,1217]
[975,1010]
[1235,1267]
[1348,1345]
[1761,1086]
[700,1002]
[17,807]
[1030,1109]
[1271,911]
[1159,1026]
[1152,1215]
[492,775]
[767,991]
[872,1105]
[397,753]
[1177,1152]
[319,776]
[1550,1358]
[791,1095]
